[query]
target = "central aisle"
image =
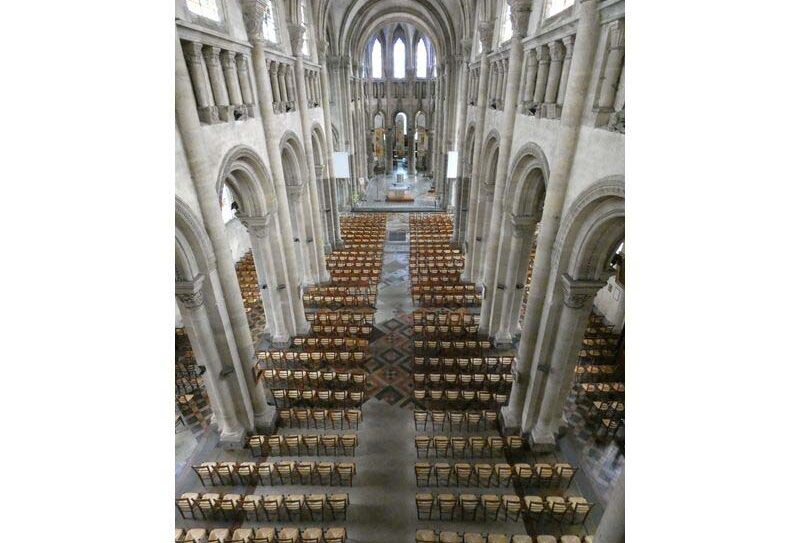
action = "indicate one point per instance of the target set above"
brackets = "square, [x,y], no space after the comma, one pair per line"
[386,481]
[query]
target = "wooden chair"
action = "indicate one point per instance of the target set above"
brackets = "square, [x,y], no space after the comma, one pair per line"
[272,505]
[335,535]
[330,444]
[289,535]
[424,506]
[315,504]
[557,509]
[186,504]
[420,418]
[337,503]
[565,472]
[450,537]
[304,471]
[447,506]
[205,472]
[485,474]
[293,504]
[422,471]
[512,507]
[324,471]
[349,442]
[579,508]
[426,536]
[250,505]
[469,506]
[345,472]
[219,535]
[491,504]
[196,535]
[422,444]
[208,504]
[264,534]
[230,506]
[463,473]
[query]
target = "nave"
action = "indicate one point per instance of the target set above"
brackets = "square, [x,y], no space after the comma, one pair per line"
[387,417]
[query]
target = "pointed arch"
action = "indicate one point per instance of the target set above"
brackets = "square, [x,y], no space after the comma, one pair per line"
[422,59]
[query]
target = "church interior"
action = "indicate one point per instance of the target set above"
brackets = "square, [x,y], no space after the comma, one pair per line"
[400,271]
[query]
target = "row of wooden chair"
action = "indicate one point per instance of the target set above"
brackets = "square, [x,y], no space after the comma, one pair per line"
[440,251]
[477,420]
[606,410]
[569,510]
[352,330]
[330,378]
[454,345]
[285,358]
[287,472]
[286,397]
[590,392]
[299,417]
[445,536]
[459,398]
[460,446]
[488,475]
[473,364]
[422,316]
[443,289]
[596,356]
[478,381]
[340,317]
[262,534]
[446,300]
[447,330]
[595,373]
[303,444]
[294,507]
[360,300]
[340,342]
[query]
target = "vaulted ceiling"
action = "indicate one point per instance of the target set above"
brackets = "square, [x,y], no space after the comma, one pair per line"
[348,24]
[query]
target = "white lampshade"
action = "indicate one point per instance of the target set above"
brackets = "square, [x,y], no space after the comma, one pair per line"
[341,164]
[452,164]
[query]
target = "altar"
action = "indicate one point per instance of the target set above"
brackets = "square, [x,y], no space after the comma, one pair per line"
[399,193]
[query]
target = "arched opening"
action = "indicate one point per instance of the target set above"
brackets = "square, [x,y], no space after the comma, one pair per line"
[422,60]
[376,60]
[299,206]
[399,59]
[379,143]
[585,388]
[420,141]
[486,195]
[400,147]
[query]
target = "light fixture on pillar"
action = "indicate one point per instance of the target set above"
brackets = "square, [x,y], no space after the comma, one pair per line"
[452,164]
[341,165]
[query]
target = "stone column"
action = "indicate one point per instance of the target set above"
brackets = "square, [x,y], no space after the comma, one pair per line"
[318,229]
[202,91]
[611,72]
[253,11]
[485,30]
[571,327]
[411,130]
[568,42]
[298,211]
[612,524]
[520,12]
[464,86]
[517,261]
[325,202]
[244,85]
[325,91]
[259,414]
[504,80]
[567,137]
[228,59]
[268,278]
[285,100]
[277,104]
[211,54]
[220,389]
[530,79]
[543,54]
[553,78]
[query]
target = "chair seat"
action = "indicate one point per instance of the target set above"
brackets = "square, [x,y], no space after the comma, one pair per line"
[312,532]
[521,539]
[335,532]
[570,539]
[265,532]
[588,539]
[289,532]
[195,534]
[546,539]
[219,535]
[474,538]
[243,534]
[498,538]
[449,537]
[425,536]
[190,495]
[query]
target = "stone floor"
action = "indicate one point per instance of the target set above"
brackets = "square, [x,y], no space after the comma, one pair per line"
[378,185]
[382,499]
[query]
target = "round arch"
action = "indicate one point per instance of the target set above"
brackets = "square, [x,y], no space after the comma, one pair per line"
[528,181]
[294,167]
[489,157]
[246,175]
[194,254]
[591,230]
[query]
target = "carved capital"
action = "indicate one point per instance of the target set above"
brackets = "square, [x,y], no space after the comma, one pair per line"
[190,292]
[228,59]
[211,54]
[485,33]
[319,169]
[520,13]
[253,13]
[193,51]
[578,291]
[255,225]
[556,51]
[568,42]
[322,50]
[296,38]
[543,53]
[241,62]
